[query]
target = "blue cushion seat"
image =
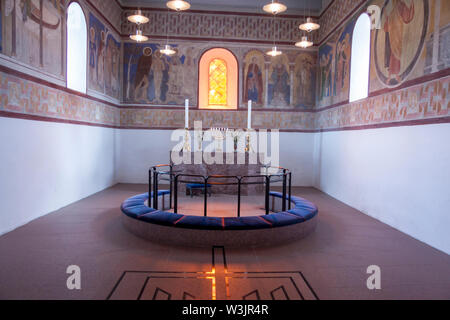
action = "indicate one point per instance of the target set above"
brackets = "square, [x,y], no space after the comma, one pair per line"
[161,217]
[303,210]
[197,185]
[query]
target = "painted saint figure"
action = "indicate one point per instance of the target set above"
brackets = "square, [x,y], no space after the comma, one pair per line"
[341,82]
[399,15]
[303,73]
[280,83]
[141,80]
[157,70]
[254,83]
[101,60]
[325,75]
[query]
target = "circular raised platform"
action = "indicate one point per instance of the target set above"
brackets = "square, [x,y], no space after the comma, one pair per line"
[259,230]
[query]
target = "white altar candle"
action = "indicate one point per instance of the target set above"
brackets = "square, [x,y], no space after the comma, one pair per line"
[186,113]
[249,117]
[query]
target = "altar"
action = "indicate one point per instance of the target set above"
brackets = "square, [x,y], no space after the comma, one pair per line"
[225,168]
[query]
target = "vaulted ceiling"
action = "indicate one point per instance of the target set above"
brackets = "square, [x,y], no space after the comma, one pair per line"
[252,6]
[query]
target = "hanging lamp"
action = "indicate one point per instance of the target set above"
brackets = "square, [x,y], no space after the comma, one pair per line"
[139,37]
[178,5]
[274,7]
[304,43]
[138,18]
[309,25]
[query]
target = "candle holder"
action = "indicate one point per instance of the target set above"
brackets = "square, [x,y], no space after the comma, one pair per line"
[248,145]
[219,135]
[200,137]
[187,141]
[236,135]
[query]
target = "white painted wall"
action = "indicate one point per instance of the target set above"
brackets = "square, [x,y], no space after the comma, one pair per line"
[138,150]
[46,166]
[399,176]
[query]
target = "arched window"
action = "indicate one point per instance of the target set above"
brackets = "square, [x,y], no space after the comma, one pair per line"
[217,83]
[76,48]
[360,59]
[218,80]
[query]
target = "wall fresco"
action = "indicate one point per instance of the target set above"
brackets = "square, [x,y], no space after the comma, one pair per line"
[279,84]
[151,77]
[425,101]
[305,80]
[30,98]
[104,59]
[254,77]
[429,100]
[159,118]
[409,52]
[37,28]
[402,49]
[398,44]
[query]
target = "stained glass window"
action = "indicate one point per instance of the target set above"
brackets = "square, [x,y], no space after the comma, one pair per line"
[217,83]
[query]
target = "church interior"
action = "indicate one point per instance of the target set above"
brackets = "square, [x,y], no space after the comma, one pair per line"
[224,150]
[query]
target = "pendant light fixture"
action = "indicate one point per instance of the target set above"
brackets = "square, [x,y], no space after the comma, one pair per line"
[138,18]
[274,51]
[304,43]
[309,25]
[168,50]
[178,5]
[138,37]
[274,7]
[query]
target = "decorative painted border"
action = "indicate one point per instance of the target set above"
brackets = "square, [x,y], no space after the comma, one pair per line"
[27,97]
[216,26]
[419,104]
[337,12]
[23,98]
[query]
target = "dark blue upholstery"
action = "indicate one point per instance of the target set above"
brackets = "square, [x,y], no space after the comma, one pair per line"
[135,207]
[161,217]
[195,222]
[197,185]
[246,223]
[281,219]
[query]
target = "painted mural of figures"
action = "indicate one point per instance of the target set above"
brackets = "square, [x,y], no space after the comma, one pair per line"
[304,80]
[399,42]
[399,15]
[325,75]
[115,82]
[100,70]
[254,77]
[343,52]
[175,72]
[157,70]
[112,66]
[141,80]
[279,83]
[98,60]
[92,55]
[189,71]
[52,14]
[254,83]
[8,17]
[151,77]
[27,31]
